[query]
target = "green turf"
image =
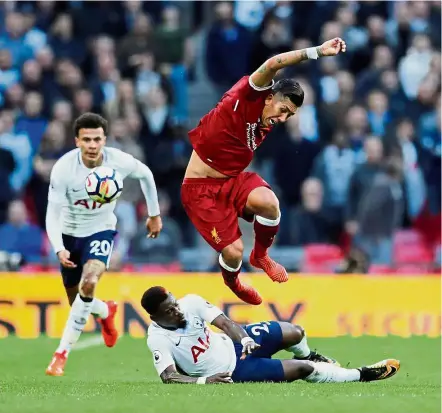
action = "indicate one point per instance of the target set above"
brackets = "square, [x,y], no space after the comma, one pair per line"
[123,379]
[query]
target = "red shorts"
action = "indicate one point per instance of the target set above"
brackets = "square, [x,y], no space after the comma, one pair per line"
[214,205]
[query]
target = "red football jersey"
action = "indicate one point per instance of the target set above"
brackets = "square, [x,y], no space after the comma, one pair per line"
[228,135]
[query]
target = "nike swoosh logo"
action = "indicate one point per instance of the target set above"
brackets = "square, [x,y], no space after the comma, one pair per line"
[77,190]
[179,341]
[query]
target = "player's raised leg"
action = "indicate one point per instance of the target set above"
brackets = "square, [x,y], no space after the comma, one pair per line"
[264,204]
[230,261]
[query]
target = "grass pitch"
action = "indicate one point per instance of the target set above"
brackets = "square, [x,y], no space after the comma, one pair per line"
[123,379]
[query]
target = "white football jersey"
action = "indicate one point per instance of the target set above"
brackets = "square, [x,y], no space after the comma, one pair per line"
[80,216]
[195,350]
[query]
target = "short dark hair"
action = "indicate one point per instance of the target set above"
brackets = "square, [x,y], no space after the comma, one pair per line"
[152,298]
[290,88]
[90,120]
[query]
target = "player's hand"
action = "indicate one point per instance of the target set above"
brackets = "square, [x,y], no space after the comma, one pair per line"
[154,225]
[333,47]
[220,378]
[63,257]
[248,347]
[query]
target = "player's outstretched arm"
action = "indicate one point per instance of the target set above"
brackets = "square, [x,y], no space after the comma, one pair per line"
[56,198]
[264,75]
[236,333]
[171,376]
[142,172]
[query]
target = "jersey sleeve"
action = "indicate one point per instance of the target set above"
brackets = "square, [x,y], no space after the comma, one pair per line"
[208,312]
[161,352]
[245,88]
[57,184]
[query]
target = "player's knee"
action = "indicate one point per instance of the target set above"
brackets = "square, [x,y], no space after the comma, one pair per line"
[232,254]
[292,333]
[265,203]
[89,279]
[297,333]
[87,286]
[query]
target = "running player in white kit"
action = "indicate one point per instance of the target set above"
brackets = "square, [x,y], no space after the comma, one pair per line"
[186,350]
[82,231]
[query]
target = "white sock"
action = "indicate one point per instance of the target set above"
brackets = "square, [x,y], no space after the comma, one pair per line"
[300,350]
[329,373]
[77,319]
[100,308]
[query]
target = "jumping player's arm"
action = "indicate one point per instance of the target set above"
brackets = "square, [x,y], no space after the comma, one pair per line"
[166,368]
[56,199]
[263,76]
[216,317]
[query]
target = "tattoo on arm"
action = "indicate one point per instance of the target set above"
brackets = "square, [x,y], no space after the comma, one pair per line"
[263,68]
[319,50]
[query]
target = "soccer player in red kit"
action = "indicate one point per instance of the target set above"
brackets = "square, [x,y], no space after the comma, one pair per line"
[216,190]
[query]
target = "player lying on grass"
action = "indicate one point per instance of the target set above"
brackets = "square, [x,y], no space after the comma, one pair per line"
[82,231]
[185,350]
[216,191]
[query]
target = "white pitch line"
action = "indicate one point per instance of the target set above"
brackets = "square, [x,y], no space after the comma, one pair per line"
[89,342]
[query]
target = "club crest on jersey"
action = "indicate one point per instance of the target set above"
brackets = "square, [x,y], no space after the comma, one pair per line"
[251,138]
[197,323]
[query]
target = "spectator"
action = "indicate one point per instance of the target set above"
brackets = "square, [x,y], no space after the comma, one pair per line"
[380,214]
[63,41]
[378,114]
[32,122]
[13,99]
[156,124]
[334,167]
[136,42]
[397,101]
[415,65]
[8,74]
[272,38]
[226,39]
[104,86]
[362,179]
[175,56]
[383,59]
[17,235]
[18,143]
[331,113]
[413,158]
[164,250]
[53,146]
[7,166]
[13,40]
[308,224]
[295,155]
[357,129]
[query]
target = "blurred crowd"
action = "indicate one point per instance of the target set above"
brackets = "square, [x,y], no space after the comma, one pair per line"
[360,160]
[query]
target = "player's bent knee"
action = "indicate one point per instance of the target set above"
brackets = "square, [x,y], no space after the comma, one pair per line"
[263,202]
[292,334]
[296,369]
